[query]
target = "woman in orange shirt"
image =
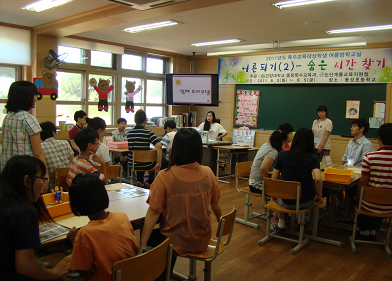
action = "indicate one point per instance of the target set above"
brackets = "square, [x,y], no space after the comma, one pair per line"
[185,194]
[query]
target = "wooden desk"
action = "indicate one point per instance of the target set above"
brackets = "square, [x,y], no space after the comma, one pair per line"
[333,189]
[135,208]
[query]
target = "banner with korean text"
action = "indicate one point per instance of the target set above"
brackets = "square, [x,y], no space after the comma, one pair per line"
[355,66]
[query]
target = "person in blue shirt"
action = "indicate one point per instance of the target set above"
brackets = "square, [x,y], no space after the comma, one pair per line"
[357,148]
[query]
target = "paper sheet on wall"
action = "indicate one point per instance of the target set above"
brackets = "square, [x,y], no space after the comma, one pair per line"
[246,107]
[375,122]
[379,110]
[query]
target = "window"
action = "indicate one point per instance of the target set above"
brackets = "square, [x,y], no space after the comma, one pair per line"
[73,55]
[154,91]
[70,86]
[155,65]
[102,59]
[131,62]
[92,93]
[138,98]
[8,75]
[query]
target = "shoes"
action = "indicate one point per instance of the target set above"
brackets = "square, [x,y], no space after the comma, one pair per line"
[359,236]
[139,184]
[146,185]
[278,229]
[342,219]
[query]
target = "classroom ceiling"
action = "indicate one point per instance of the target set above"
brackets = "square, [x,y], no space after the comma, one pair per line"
[253,21]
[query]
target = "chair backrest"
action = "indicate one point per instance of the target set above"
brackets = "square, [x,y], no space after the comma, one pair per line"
[60,171]
[144,155]
[225,227]
[379,196]
[282,189]
[62,181]
[242,169]
[113,171]
[146,266]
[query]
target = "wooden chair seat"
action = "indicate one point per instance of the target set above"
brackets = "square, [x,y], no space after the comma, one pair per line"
[247,190]
[273,206]
[209,253]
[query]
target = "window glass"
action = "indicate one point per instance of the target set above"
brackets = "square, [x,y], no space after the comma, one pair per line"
[154,91]
[73,55]
[92,93]
[107,116]
[7,77]
[2,114]
[70,86]
[154,65]
[130,117]
[65,112]
[102,59]
[138,98]
[131,62]
[154,111]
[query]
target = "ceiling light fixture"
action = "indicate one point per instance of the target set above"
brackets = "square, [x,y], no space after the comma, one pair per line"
[43,5]
[150,26]
[216,42]
[358,29]
[293,3]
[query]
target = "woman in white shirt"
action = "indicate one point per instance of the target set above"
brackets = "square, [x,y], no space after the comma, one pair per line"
[213,128]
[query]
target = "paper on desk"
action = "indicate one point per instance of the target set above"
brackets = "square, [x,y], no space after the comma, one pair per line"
[78,222]
[116,186]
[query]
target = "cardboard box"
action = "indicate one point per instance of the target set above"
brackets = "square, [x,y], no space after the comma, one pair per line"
[332,174]
[120,144]
[58,209]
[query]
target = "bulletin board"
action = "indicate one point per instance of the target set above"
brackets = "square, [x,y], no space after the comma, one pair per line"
[246,107]
[297,104]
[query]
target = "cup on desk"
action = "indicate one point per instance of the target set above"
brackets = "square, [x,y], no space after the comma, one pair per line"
[63,125]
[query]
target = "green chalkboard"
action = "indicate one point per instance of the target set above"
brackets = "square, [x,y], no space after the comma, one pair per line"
[297,104]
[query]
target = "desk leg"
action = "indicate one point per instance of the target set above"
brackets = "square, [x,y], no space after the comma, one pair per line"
[314,236]
[217,167]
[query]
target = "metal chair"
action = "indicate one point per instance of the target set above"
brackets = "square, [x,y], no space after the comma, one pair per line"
[215,248]
[147,266]
[284,190]
[378,196]
[242,170]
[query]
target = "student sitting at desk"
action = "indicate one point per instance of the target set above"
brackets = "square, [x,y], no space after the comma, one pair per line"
[120,135]
[88,142]
[21,207]
[106,239]
[298,164]
[140,138]
[264,159]
[289,129]
[170,128]
[213,128]
[357,148]
[58,153]
[185,194]
[376,172]
[98,124]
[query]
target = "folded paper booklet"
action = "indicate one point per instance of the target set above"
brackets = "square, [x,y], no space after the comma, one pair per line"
[51,230]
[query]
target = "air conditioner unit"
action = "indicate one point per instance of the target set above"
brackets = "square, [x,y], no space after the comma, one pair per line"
[146,4]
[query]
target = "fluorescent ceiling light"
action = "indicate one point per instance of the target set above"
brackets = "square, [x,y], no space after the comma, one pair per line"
[357,29]
[233,52]
[216,42]
[292,3]
[43,5]
[150,26]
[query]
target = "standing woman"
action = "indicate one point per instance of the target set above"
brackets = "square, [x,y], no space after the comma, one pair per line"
[21,130]
[213,128]
[21,208]
[322,129]
[264,159]
[98,124]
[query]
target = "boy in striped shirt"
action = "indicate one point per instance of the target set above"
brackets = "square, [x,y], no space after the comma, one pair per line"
[376,172]
[88,142]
